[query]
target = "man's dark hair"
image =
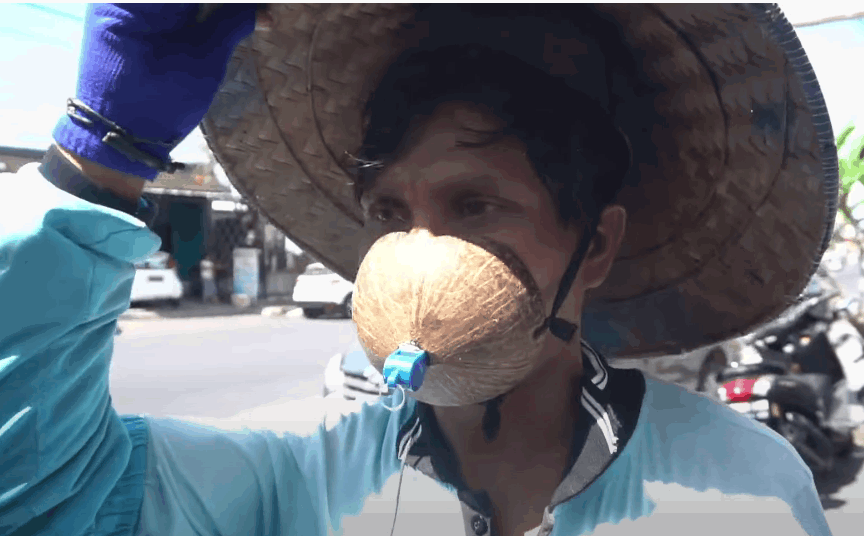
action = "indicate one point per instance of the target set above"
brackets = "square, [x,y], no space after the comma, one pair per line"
[581,158]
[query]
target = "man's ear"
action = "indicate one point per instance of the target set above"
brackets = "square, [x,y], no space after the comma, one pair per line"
[604,248]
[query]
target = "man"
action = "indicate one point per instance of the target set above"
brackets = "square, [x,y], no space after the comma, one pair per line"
[514,166]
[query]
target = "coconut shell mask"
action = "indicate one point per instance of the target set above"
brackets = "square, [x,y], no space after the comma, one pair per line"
[473,307]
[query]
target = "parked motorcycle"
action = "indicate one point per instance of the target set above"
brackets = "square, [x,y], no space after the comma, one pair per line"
[803,376]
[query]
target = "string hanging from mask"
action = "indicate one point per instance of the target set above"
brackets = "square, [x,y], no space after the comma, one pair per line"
[401,404]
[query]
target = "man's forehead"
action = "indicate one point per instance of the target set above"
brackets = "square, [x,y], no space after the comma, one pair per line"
[447,179]
[456,177]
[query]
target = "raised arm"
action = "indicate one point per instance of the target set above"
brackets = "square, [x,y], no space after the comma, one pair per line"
[66,263]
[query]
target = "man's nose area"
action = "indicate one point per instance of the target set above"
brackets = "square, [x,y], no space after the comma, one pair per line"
[429,218]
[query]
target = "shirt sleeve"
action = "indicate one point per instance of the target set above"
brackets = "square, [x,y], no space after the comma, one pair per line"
[65,277]
[312,462]
[66,273]
[706,448]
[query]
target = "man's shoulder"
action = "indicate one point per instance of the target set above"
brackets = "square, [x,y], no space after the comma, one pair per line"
[692,455]
[675,414]
[701,444]
[685,412]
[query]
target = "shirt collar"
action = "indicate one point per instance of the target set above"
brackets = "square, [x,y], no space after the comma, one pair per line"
[609,409]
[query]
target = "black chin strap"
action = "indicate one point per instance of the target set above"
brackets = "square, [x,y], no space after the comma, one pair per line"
[559,327]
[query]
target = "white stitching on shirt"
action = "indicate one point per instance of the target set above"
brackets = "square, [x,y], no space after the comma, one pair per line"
[600,378]
[597,411]
[409,439]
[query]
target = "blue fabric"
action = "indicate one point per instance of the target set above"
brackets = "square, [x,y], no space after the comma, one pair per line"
[66,271]
[120,512]
[311,467]
[151,69]
[303,479]
[698,445]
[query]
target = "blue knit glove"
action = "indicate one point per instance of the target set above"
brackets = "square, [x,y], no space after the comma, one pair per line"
[152,70]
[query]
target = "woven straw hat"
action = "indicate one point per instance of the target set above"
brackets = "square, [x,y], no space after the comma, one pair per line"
[726,223]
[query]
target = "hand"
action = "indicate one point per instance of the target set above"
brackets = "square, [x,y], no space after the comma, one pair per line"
[152,69]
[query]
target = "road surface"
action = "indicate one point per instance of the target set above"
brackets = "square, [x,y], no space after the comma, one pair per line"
[220,366]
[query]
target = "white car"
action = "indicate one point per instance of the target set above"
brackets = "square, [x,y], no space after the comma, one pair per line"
[319,290]
[156,280]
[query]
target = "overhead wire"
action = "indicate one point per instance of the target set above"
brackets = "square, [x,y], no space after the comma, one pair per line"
[32,31]
[54,11]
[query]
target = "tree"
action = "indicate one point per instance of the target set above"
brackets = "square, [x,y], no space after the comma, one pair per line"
[849,231]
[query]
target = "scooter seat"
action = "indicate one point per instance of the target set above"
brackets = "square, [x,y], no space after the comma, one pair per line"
[749,371]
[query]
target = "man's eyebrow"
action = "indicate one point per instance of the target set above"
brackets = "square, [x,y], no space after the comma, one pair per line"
[482,183]
[482,138]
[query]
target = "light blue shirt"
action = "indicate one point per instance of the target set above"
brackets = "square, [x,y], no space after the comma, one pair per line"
[66,271]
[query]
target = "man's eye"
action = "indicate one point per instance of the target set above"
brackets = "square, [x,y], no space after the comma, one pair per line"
[475,207]
[386,214]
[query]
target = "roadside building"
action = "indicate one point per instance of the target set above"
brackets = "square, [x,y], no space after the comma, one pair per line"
[201,217]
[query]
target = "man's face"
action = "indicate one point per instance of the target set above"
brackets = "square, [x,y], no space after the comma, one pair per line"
[493,192]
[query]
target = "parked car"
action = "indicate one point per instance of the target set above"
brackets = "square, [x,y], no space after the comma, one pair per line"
[156,280]
[319,290]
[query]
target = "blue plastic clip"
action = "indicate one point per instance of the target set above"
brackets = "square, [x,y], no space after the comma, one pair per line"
[406,367]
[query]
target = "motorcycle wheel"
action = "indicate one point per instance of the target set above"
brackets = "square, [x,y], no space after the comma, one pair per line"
[814,447]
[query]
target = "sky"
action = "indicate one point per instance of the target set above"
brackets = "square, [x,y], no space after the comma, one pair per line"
[40,44]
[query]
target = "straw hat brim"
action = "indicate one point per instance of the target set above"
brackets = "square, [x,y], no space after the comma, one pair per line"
[726,223]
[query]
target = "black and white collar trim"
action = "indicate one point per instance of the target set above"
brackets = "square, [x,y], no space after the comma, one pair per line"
[610,403]
[595,399]
[409,438]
